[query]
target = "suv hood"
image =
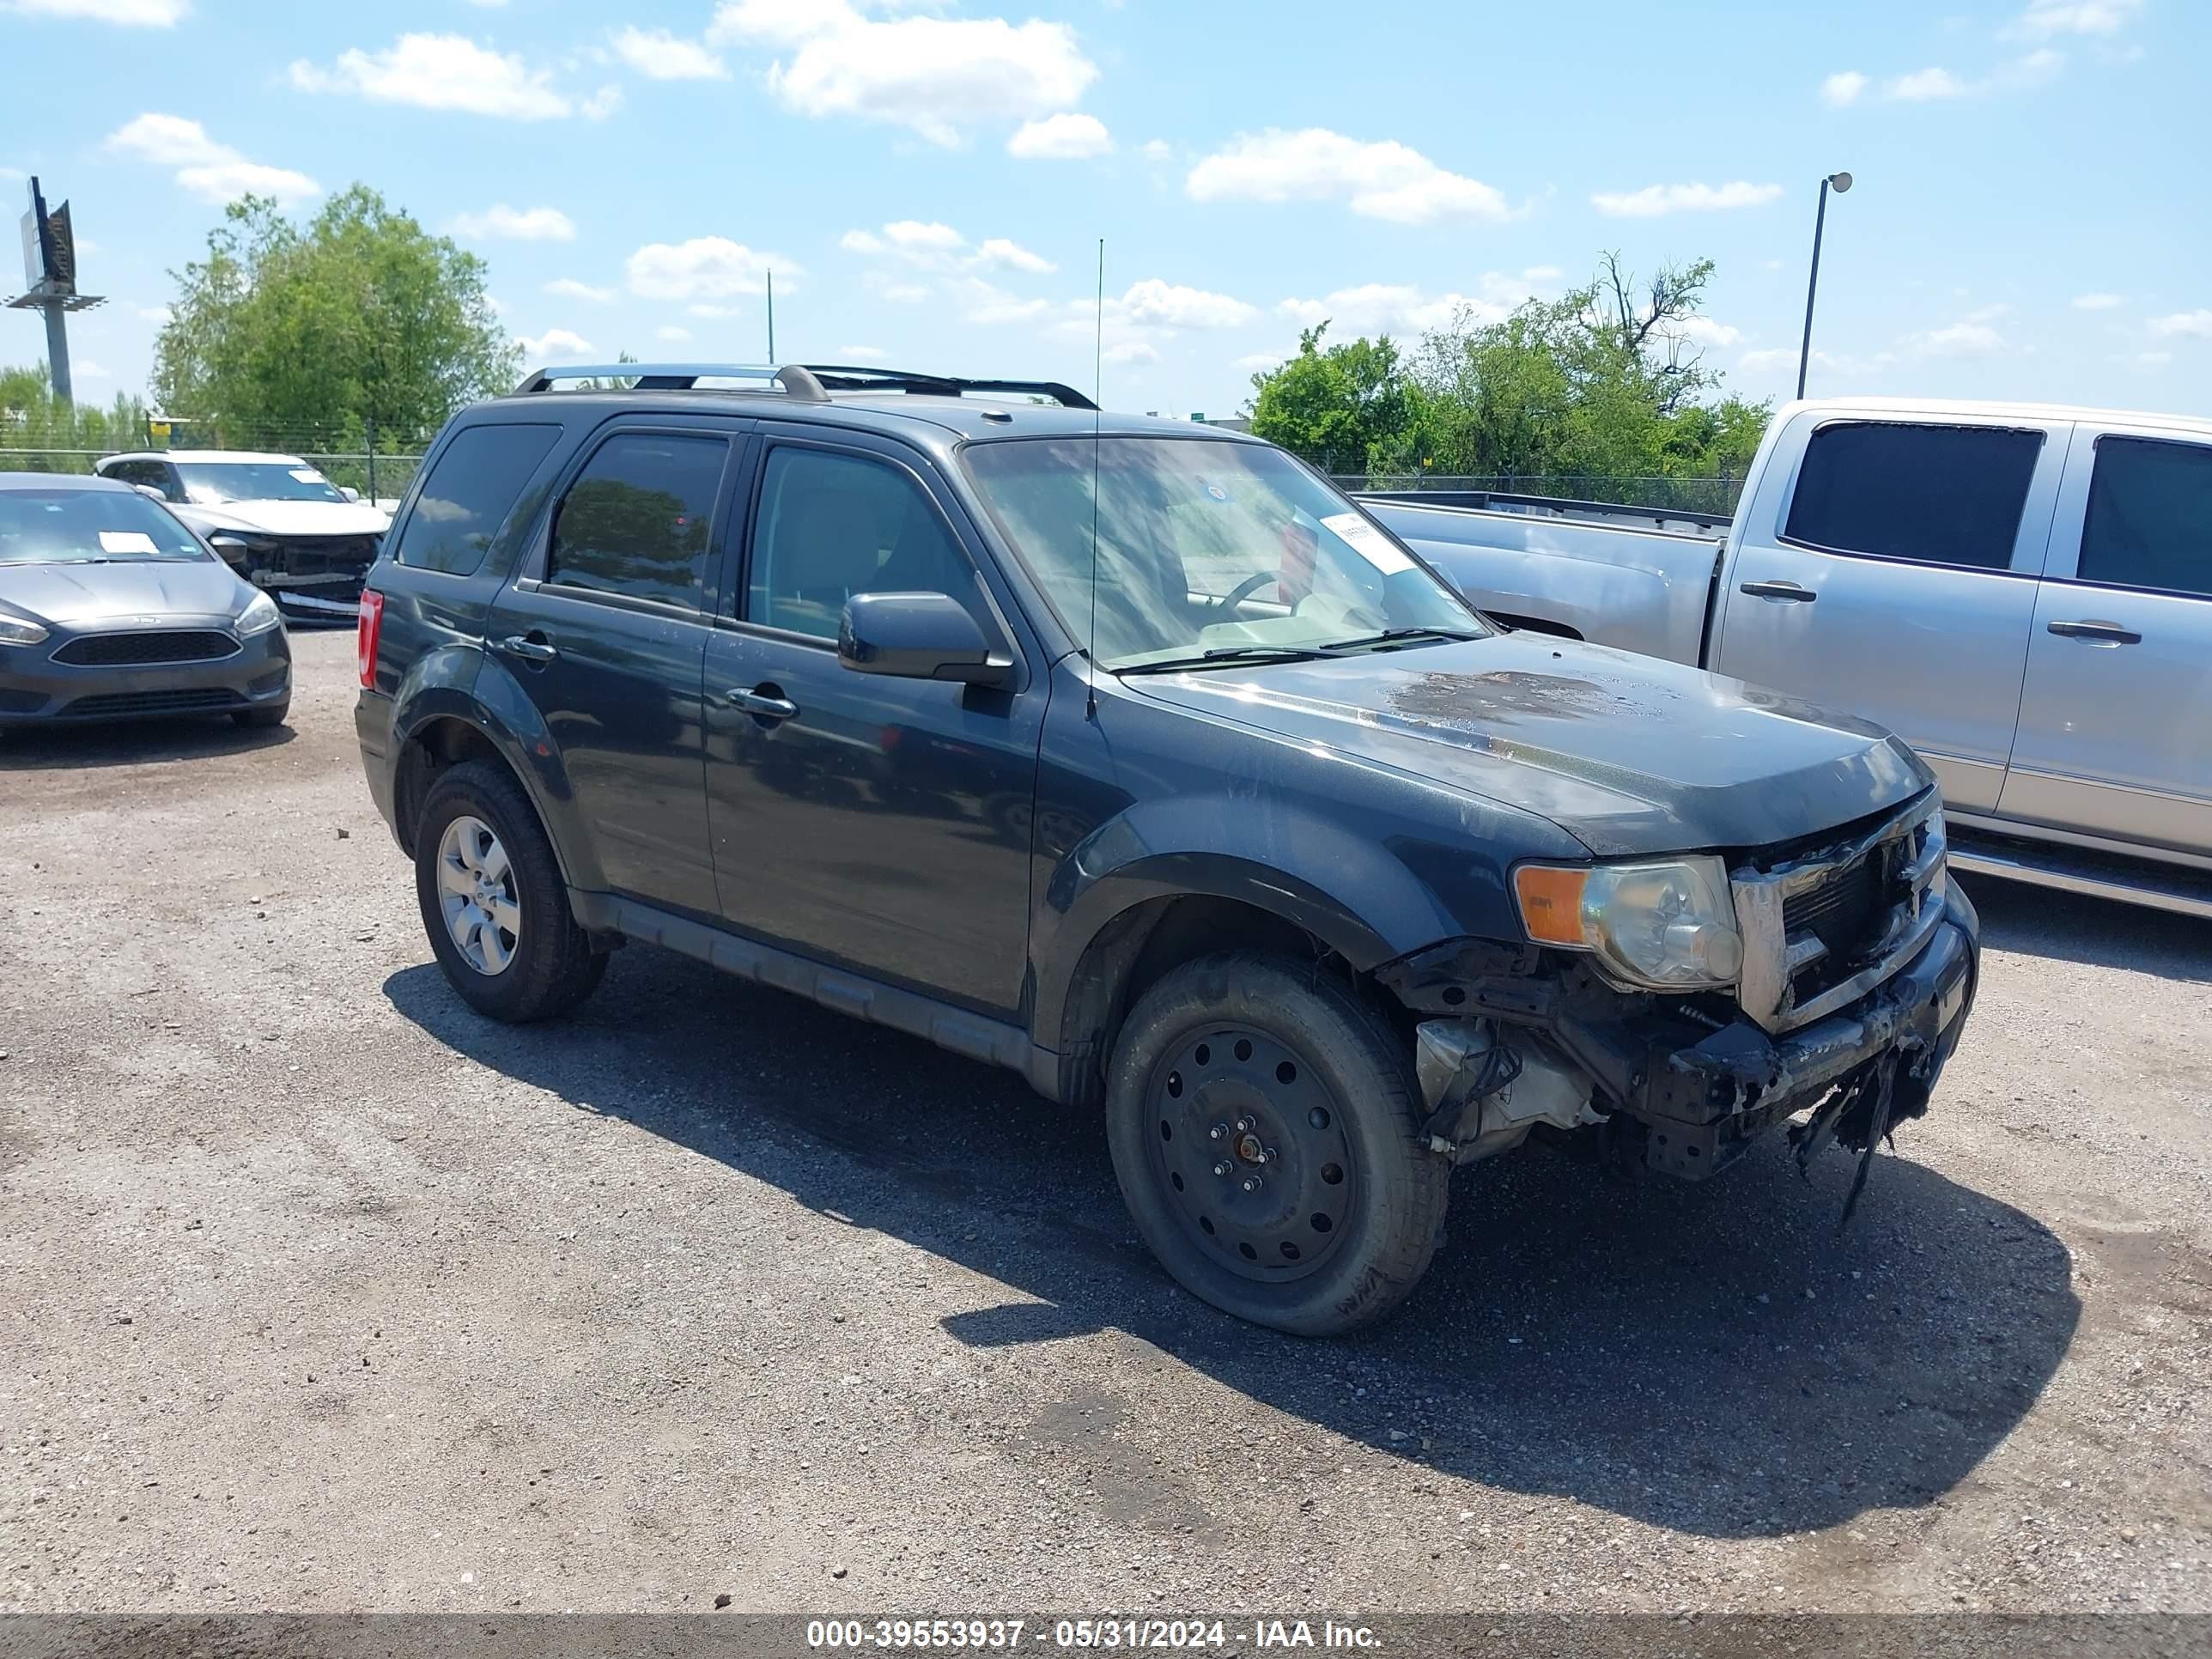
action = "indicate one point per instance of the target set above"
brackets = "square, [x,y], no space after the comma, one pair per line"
[288,518]
[75,595]
[1628,754]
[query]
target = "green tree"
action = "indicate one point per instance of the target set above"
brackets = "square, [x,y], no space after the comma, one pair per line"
[48,435]
[1606,382]
[316,333]
[1333,406]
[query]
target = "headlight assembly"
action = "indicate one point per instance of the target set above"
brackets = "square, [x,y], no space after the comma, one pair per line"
[1665,925]
[259,616]
[15,631]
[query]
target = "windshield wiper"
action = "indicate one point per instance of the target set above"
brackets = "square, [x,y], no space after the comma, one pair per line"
[1227,656]
[1392,635]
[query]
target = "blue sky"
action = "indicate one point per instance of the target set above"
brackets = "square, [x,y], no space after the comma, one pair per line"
[928,181]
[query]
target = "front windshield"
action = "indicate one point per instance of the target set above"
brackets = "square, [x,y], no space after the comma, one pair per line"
[1204,545]
[63,525]
[212,483]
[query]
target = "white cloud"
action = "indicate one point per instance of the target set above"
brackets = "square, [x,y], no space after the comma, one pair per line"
[985,302]
[1155,303]
[862,354]
[670,333]
[138,13]
[157,315]
[211,171]
[659,56]
[601,104]
[556,345]
[713,312]
[2044,18]
[1653,200]
[911,235]
[903,293]
[2154,359]
[1841,90]
[929,74]
[2096,302]
[1132,351]
[707,268]
[2185,325]
[860,242]
[1923,85]
[996,250]
[448,71]
[2023,74]
[1158,150]
[1705,331]
[538,224]
[1259,361]
[1384,180]
[85,369]
[1401,308]
[1059,138]
[567,288]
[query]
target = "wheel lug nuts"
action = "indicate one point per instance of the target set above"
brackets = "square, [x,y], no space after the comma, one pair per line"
[1244,1126]
[1251,1183]
[1222,1167]
[1266,1155]
[1218,1131]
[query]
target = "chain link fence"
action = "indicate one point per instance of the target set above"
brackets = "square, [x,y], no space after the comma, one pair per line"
[381,476]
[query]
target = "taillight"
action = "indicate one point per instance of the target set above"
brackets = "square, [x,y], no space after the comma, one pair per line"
[367,631]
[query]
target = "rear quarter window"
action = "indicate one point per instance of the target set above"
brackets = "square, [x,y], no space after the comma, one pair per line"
[1931,495]
[470,490]
[2150,516]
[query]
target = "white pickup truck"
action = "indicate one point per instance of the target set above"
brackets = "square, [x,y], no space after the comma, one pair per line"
[2023,592]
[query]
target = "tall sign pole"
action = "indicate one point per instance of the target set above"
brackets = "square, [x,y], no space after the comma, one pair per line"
[50,283]
[1839,182]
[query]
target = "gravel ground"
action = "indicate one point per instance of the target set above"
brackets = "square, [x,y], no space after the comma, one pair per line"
[322,1294]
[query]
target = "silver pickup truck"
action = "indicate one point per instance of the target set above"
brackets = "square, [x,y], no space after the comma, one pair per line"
[2023,592]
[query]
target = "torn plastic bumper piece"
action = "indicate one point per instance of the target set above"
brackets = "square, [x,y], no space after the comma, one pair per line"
[1706,1102]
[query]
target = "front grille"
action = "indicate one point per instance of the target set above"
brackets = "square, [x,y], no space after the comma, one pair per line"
[122,650]
[318,555]
[122,705]
[1848,912]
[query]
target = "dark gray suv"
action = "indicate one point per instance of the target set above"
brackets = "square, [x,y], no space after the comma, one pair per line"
[1132,756]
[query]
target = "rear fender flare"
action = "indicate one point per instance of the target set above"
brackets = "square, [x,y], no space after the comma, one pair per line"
[461,683]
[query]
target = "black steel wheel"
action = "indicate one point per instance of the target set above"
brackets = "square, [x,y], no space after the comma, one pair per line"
[1263,1128]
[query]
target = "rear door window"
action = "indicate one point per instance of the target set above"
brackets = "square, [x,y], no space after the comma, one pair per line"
[2149,523]
[1932,494]
[635,521]
[469,492]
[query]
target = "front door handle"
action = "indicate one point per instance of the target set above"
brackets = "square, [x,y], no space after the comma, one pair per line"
[1779,590]
[2097,633]
[767,706]
[530,647]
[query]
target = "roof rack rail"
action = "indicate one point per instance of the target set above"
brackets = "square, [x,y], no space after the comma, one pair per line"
[852,377]
[795,381]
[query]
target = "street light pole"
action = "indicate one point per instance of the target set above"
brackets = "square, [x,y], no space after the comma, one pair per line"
[1842,181]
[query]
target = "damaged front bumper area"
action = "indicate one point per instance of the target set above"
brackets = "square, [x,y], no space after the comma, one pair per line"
[1505,1048]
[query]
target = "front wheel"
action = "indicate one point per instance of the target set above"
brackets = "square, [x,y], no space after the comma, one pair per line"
[493,900]
[1265,1131]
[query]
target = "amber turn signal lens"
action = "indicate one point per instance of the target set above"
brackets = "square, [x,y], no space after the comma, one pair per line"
[1551,903]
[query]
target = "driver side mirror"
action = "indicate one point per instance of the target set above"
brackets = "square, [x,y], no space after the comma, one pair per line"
[350,493]
[154,490]
[917,636]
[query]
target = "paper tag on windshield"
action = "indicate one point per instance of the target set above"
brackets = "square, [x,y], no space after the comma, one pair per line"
[306,475]
[1370,543]
[126,541]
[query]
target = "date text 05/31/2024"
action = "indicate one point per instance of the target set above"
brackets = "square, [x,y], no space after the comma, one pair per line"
[898,1634]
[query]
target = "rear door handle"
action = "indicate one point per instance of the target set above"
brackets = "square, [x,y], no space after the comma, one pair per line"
[530,647]
[2097,633]
[1779,590]
[768,708]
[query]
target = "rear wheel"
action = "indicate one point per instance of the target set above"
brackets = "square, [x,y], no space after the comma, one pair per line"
[493,901]
[1265,1133]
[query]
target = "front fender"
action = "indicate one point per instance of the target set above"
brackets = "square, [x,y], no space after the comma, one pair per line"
[1348,891]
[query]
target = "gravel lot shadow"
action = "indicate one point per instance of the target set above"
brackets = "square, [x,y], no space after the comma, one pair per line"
[1712,1358]
[2096,933]
[135,743]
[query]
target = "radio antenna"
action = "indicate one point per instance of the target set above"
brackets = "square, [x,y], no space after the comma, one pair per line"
[1098,415]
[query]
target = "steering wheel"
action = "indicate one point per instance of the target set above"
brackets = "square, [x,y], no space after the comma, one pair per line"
[1245,589]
